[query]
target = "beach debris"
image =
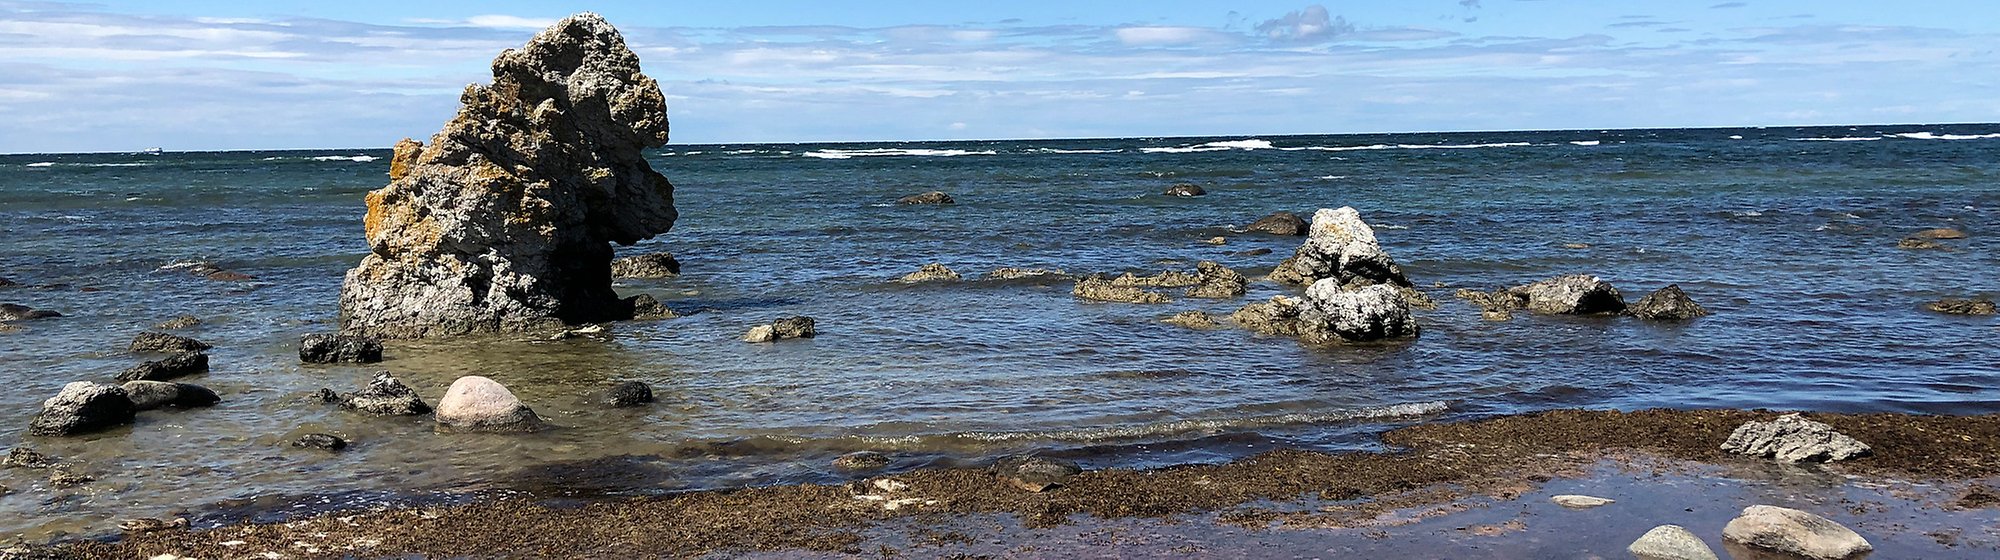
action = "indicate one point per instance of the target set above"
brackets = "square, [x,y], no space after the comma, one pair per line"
[647,308]
[26,458]
[18,312]
[505,221]
[933,197]
[148,395]
[1216,281]
[1794,532]
[1951,306]
[1192,319]
[789,327]
[630,393]
[933,272]
[1185,190]
[333,348]
[1939,233]
[178,323]
[1010,273]
[181,364]
[479,404]
[385,396]
[1579,501]
[1793,439]
[649,265]
[327,442]
[1279,223]
[1035,473]
[152,524]
[82,407]
[1918,243]
[166,343]
[861,461]
[1099,289]
[1342,247]
[1670,542]
[1667,304]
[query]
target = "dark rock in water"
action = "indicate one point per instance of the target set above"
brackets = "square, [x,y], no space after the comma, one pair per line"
[1962,306]
[1796,533]
[25,458]
[18,312]
[1497,305]
[1280,223]
[1217,281]
[1792,438]
[148,395]
[1253,252]
[1578,294]
[790,327]
[1103,290]
[323,396]
[209,270]
[651,265]
[1342,247]
[1191,319]
[325,348]
[1939,233]
[505,221]
[478,404]
[385,396]
[64,478]
[1035,473]
[5,283]
[166,343]
[328,442]
[181,364]
[1918,243]
[861,461]
[82,407]
[1165,279]
[1185,189]
[933,197]
[934,272]
[177,323]
[1279,316]
[630,393]
[1666,304]
[646,308]
[1025,273]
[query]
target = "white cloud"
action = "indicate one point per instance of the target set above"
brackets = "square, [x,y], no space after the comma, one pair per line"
[1162,36]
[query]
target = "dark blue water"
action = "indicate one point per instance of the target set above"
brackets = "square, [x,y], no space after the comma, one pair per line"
[1787,235]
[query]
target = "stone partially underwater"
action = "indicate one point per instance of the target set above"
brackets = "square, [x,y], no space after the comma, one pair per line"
[505,221]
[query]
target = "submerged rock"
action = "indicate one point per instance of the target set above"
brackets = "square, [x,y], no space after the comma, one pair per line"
[1670,542]
[630,393]
[166,343]
[18,312]
[479,404]
[178,323]
[1099,289]
[505,221]
[210,271]
[1577,294]
[934,272]
[1216,281]
[328,442]
[650,265]
[82,407]
[1165,279]
[1794,532]
[1962,306]
[789,327]
[1279,316]
[1025,273]
[933,197]
[1341,247]
[861,461]
[1035,473]
[1579,501]
[1667,304]
[1792,438]
[167,369]
[1939,233]
[1191,319]
[1185,189]
[26,458]
[385,396]
[1918,243]
[339,348]
[1280,223]
[148,395]
[646,308]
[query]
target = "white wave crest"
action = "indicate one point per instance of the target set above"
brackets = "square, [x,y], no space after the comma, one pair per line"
[1249,144]
[42,164]
[1062,151]
[1416,147]
[879,152]
[1936,136]
[1840,139]
[1586,142]
[361,159]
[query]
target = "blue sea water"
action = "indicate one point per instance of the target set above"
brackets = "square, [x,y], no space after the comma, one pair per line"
[1789,235]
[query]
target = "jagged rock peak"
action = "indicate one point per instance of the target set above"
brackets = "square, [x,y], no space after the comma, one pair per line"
[504,221]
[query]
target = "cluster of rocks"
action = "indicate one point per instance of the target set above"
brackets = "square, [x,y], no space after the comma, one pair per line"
[650,265]
[799,326]
[1764,528]
[1582,294]
[471,404]
[1928,239]
[84,407]
[1950,306]
[934,272]
[1209,280]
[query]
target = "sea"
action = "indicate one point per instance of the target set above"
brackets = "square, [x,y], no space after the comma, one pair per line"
[1787,235]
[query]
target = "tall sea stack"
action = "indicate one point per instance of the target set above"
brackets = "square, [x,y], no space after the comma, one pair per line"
[505,221]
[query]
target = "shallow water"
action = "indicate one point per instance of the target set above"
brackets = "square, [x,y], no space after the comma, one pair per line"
[1789,241]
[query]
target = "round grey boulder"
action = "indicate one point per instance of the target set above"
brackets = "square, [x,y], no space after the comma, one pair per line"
[148,395]
[1794,532]
[1670,542]
[478,404]
[82,407]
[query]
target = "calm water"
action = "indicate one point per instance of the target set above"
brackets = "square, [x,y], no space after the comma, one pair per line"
[1788,235]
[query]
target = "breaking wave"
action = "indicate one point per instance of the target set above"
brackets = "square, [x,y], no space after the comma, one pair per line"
[880,152]
[1250,144]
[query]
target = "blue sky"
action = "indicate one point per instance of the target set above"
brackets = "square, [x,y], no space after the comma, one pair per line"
[120,75]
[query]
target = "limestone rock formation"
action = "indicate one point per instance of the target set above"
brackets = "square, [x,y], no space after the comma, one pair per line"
[1035,473]
[789,327]
[934,272]
[1098,289]
[933,197]
[328,442]
[647,308]
[1792,438]
[1280,223]
[1333,313]
[1342,247]
[1670,542]
[1577,294]
[325,348]
[180,322]
[1667,304]
[1951,306]
[505,221]
[861,461]
[650,265]
[1794,532]
[385,396]
[478,404]
[1011,273]
[1191,319]
[1939,233]
[1217,281]
[82,407]
[1165,279]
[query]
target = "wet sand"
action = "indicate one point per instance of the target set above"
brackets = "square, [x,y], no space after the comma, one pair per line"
[1460,490]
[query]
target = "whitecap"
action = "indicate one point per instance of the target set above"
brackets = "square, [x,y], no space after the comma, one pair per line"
[1210,425]
[1735,137]
[1330,177]
[362,159]
[1936,136]
[1062,151]
[1585,142]
[1840,139]
[1248,144]
[1419,146]
[1391,226]
[878,152]
[42,164]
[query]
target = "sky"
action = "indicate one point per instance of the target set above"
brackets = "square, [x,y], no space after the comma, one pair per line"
[211,75]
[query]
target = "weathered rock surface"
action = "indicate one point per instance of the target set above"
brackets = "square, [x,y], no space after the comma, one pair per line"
[1279,316]
[82,407]
[1342,247]
[1579,501]
[1191,319]
[328,442]
[210,271]
[1216,281]
[1011,273]
[647,308]
[933,197]
[22,457]
[18,312]
[1670,542]
[1667,304]
[789,327]
[1185,189]
[1939,233]
[178,323]
[1035,473]
[1498,305]
[650,265]
[1363,314]
[1793,439]
[1165,279]
[1099,289]
[861,461]
[1577,294]
[148,395]
[1794,532]
[385,396]
[327,348]
[630,393]
[505,221]
[1280,223]
[934,272]
[479,404]
[167,369]
[1918,243]
[166,343]
[1962,306]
